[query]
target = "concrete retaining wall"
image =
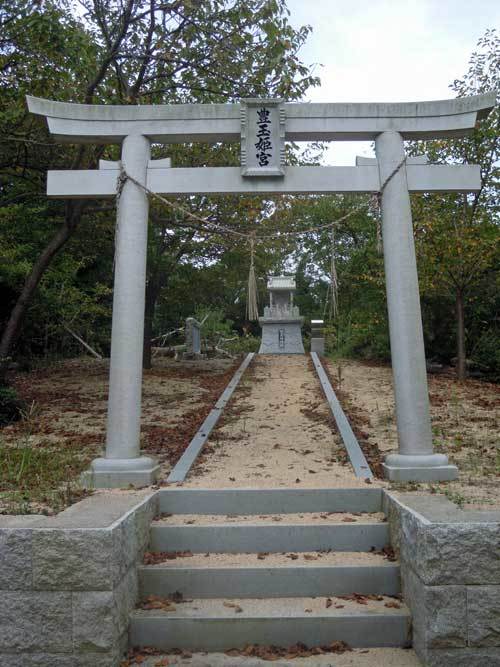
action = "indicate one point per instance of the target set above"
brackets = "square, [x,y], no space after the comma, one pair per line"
[450,571]
[68,583]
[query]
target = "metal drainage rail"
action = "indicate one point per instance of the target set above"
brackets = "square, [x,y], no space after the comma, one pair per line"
[356,456]
[183,465]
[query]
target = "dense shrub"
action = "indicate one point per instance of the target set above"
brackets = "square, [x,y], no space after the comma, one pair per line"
[11,406]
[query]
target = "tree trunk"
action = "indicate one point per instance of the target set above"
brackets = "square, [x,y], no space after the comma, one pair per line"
[461,356]
[152,292]
[16,318]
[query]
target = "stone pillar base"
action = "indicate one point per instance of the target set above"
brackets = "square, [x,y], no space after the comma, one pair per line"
[119,473]
[419,468]
[193,356]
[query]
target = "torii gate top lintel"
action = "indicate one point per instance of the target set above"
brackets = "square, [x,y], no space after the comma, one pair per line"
[178,123]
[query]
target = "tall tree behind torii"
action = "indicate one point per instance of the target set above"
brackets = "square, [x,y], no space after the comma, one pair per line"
[457,235]
[128,53]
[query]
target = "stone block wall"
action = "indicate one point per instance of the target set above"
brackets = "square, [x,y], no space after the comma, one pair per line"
[68,583]
[450,571]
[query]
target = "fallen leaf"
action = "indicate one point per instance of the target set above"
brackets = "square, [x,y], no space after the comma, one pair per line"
[155,557]
[157,602]
[299,650]
[177,597]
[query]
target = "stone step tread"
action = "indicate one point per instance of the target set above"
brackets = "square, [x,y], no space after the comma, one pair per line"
[214,624]
[275,537]
[191,500]
[271,576]
[302,518]
[280,608]
[326,559]
[373,657]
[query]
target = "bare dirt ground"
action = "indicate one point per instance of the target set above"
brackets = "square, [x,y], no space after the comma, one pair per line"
[64,428]
[277,431]
[465,423]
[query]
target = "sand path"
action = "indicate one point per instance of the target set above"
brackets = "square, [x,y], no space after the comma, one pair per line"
[277,431]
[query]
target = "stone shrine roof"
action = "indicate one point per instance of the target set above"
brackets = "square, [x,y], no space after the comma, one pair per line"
[281,283]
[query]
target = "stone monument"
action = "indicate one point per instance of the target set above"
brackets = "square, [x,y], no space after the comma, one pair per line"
[317,337]
[281,324]
[193,339]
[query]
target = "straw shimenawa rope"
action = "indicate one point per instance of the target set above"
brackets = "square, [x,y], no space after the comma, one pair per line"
[217,226]
[252,302]
[252,309]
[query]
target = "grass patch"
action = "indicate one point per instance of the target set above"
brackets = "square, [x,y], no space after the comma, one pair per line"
[41,478]
[38,479]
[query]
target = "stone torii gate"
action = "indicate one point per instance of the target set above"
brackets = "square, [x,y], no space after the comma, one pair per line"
[262,126]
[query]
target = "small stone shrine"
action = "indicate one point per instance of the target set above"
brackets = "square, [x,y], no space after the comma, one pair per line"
[281,324]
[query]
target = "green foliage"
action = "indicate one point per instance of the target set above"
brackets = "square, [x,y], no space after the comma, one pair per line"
[133,53]
[243,344]
[360,333]
[38,473]
[217,330]
[457,235]
[30,475]
[214,323]
[486,353]
[11,406]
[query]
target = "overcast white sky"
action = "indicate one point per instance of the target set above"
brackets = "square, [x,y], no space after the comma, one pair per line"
[388,50]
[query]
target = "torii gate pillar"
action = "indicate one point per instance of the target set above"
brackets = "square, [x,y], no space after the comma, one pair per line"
[416,458]
[123,464]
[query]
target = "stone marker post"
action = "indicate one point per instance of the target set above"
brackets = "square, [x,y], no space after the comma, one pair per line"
[416,458]
[193,338]
[123,463]
[317,337]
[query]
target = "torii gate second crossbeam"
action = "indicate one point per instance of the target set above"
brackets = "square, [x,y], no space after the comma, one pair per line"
[262,126]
